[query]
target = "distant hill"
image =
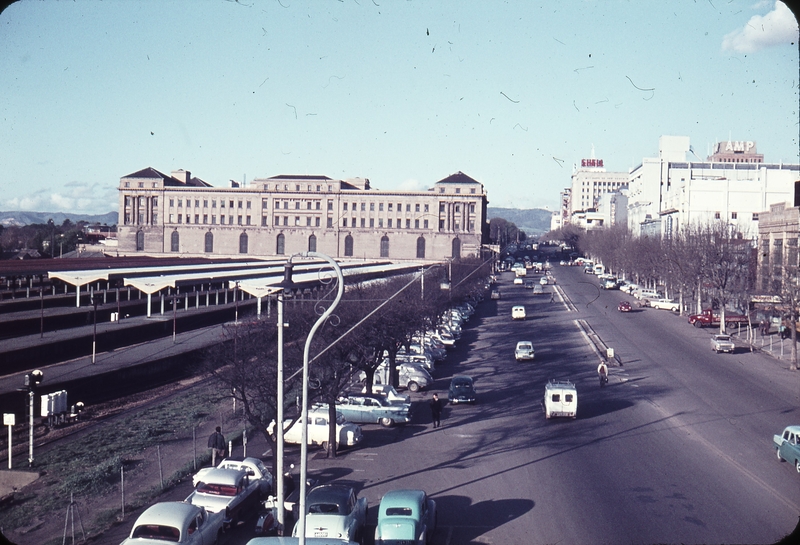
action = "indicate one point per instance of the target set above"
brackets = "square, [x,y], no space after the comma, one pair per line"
[27,218]
[534,221]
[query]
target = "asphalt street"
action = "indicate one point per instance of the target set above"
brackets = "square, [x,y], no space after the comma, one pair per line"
[676,449]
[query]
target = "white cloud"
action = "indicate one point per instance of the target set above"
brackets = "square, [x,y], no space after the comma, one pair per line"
[778,27]
[72,197]
[413,185]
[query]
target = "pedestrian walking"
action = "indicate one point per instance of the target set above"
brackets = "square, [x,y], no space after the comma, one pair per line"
[552,297]
[436,410]
[216,442]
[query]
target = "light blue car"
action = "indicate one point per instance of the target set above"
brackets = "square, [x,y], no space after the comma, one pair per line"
[405,516]
[373,409]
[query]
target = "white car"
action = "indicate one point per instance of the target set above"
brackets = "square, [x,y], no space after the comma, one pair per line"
[664,304]
[227,491]
[518,313]
[175,522]
[254,467]
[543,281]
[524,351]
[518,280]
[348,434]
[722,343]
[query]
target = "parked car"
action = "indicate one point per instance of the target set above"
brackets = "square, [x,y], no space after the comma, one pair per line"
[254,467]
[387,391]
[334,511]
[518,312]
[228,491]
[624,306]
[787,446]
[462,390]
[373,409]
[405,516]
[722,343]
[629,288]
[348,434]
[176,522]
[524,351]
[665,304]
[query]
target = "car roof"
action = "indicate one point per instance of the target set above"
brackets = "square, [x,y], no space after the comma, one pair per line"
[461,378]
[401,498]
[524,343]
[330,493]
[167,512]
[793,429]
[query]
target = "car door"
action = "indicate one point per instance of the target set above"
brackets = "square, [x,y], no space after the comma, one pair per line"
[788,445]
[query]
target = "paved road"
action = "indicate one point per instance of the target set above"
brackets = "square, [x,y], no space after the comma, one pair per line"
[677,448]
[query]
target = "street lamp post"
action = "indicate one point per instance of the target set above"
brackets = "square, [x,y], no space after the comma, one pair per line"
[304,412]
[32,380]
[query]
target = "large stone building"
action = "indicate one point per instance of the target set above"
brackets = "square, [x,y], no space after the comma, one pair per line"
[668,192]
[282,215]
[778,259]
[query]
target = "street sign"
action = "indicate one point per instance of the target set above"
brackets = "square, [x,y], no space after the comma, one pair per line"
[9,419]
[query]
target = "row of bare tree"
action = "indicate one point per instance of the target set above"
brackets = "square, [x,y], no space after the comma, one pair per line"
[372,318]
[709,265]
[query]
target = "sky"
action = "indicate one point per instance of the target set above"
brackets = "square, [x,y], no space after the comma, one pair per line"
[403,92]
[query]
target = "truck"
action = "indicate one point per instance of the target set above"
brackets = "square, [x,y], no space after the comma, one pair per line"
[712,318]
[787,446]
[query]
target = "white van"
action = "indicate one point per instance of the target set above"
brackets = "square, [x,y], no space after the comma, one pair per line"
[642,293]
[518,313]
[560,399]
[599,269]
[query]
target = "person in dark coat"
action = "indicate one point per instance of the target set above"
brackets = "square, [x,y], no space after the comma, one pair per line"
[436,410]
[216,442]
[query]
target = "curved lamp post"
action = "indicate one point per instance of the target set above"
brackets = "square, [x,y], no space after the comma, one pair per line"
[304,413]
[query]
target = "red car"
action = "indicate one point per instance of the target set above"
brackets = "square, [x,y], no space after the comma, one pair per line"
[624,306]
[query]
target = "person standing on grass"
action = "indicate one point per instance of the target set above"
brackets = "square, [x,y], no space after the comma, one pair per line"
[216,442]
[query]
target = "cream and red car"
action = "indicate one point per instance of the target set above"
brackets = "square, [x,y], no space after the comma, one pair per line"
[175,522]
[227,491]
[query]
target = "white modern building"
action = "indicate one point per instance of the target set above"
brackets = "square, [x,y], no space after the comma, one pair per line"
[734,185]
[590,181]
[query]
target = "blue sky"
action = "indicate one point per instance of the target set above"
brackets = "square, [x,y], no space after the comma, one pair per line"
[403,92]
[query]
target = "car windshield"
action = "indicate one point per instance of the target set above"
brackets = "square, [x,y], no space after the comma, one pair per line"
[723,338]
[462,384]
[399,511]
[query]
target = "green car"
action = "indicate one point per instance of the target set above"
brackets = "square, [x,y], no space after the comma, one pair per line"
[405,516]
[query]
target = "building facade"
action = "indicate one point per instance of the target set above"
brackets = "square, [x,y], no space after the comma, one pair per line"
[778,259]
[283,215]
[668,192]
[590,181]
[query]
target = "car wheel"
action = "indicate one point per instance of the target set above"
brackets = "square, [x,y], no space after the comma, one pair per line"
[778,452]
[797,465]
[698,324]
[413,386]
[386,422]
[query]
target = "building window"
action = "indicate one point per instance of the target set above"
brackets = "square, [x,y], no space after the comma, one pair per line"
[408,208]
[175,242]
[247,220]
[348,246]
[330,205]
[209,242]
[344,207]
[171,201]
[205,218]
[416,207]
[456,248]
[308,221]
[441,207]
[716,215]
[330,222]
[297,205]
[240,204]
[297,221]
[308,205]
[197,203]
[421,248]
[243,243]
[425,224]
[380,207]
[363,222]
[472,208]
[408,224]
[180,218]
[755,216]
[286,221]
[172,218]
[416,224]
[239,219]
[221,220]
[471,225]
[733,215]
[389,223]
[390,207]
[312,243]
[277,220]
[205,203]
[264,204]
[384,246]
[139,241]
[472,190]
[372,207]
[248,205]
[280,244]
[426,208]
[372,222]
[263,221]
[214,203]
[363,206]
[316,221]
[344,222]
[380,223]
[197,218]
[458,190]
[458,208]
[221,203]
